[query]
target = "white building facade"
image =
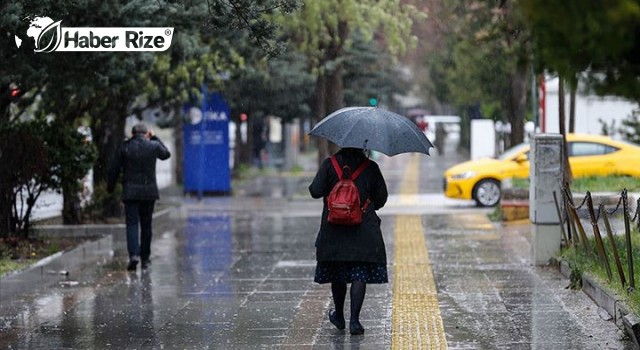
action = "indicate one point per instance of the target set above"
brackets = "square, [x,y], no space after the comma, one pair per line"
[589,110]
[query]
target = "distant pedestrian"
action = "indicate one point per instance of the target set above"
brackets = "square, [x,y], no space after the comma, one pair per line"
[258,142]
[441,135]
[352,254]
[136,159]
[421,124]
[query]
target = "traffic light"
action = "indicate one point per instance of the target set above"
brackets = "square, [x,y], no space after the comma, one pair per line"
[13,92]
[373,101]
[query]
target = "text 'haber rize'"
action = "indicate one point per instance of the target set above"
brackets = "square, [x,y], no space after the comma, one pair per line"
[132,39]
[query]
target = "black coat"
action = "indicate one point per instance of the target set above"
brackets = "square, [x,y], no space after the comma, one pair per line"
[362,242]
[136,158]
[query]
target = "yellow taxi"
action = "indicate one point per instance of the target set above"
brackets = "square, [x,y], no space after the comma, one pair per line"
[589,155]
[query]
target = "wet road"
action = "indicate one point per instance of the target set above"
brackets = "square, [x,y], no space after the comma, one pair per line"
[236,273]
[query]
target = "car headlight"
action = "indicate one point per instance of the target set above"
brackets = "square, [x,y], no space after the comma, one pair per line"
[465,175]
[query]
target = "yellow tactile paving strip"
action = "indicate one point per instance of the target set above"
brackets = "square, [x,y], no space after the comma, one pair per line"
[416,320]
[409,186]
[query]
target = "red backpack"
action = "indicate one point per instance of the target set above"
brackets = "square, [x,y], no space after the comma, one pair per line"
[344,200]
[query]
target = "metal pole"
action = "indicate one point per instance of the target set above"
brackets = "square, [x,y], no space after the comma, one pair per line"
[575,237]
[616,257]
[596,234]
[564,234]
[534,94]
[638,207]
[627,234]
[543,107]
[576,222]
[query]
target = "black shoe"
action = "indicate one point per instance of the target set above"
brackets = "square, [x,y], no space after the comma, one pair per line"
[145,264]
[337,321]
[355,328]
[133,264]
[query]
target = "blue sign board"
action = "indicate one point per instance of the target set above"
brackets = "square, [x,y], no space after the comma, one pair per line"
[206,146]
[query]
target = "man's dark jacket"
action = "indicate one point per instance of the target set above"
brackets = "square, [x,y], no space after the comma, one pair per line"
[362,242]
[136,158]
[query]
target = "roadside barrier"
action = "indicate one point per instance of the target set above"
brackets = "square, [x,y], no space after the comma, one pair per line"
[575,235]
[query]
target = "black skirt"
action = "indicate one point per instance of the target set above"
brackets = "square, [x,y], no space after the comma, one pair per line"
[349,271]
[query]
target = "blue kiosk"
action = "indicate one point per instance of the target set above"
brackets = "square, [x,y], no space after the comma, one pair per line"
[206,147]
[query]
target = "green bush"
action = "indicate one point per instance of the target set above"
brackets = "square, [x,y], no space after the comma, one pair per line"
[496,214]
[613,183]
[580,262]
[297,169]
[103,204]
[39,155]
[8,265]
[241,171]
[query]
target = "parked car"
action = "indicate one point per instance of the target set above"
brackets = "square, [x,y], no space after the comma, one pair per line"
[589,155]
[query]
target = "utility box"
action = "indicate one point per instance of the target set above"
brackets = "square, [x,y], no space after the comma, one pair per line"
[546,174]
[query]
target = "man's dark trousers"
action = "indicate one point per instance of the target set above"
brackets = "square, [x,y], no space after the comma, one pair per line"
[139,214]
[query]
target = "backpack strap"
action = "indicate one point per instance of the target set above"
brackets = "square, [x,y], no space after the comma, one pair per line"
[336,167]
[360,169]
[355,174]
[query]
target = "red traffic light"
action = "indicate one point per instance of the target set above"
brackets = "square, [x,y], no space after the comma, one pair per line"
[15,92]
[243,117]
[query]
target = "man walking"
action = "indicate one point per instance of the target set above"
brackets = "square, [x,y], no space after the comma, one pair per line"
[136,159]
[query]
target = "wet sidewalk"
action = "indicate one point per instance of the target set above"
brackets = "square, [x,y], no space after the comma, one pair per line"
[237,273]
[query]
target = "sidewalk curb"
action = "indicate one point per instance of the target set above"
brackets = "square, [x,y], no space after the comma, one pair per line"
[515,203]
[91,230]
[610,303]
[56,268]
[62,266]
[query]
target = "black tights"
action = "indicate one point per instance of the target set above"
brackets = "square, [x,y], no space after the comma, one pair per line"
[339,292]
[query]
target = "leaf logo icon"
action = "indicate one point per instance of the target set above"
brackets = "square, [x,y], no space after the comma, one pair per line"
[54,32]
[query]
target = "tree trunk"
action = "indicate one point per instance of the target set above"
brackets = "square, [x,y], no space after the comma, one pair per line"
[236,146]
[333,84]
[517,106]
[178,136]
[32,197]
[563,131]
[334,98]
[249,146]
[108,133]
[5,211]
[71,206]
[5,191]
[243,148]
[561,110]
[572,110]
[320,112]
[5,103]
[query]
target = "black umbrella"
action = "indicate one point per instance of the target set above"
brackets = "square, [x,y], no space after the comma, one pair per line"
[372,128]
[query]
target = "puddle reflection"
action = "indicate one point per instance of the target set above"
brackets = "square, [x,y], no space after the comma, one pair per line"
[209,246]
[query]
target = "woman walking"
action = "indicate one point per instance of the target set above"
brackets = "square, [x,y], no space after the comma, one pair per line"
[350,253]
